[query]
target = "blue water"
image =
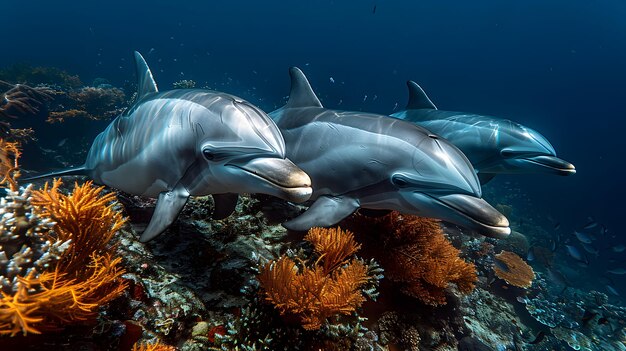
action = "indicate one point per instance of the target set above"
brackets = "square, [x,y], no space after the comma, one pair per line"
[556,66]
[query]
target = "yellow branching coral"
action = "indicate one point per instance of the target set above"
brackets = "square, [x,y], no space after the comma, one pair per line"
[323,290]
[512,269]
[83,276]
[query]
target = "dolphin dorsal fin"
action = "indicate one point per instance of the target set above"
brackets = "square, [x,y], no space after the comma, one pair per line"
[418,98]
[145,81]
[301,94]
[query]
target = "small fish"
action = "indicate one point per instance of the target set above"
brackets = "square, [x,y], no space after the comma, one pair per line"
[538,338]
[612,290]
[582,237]
[522,300]
[618,248]
[618,271]
[364,98]
[62,142]
[588,316]
[575,253]
[603,321]
[332,80]
[557,226]
[591,249]
[374,10]
[501,265]
[395,107]
[591,224]
[553,245]
[530,256]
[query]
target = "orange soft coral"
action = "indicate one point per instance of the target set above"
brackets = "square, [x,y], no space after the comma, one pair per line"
[320,291]
[86,216]
[417,256]
[513,270]
[157,346]
[84,278]
[9,169]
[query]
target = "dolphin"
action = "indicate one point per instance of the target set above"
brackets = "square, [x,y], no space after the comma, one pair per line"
[493,145]
[191,142]
[365,160]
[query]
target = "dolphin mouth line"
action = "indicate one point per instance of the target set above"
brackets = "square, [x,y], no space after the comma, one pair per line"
[498,228]
[545,164]
[278,185]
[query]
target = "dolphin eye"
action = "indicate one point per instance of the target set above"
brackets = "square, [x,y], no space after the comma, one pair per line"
[208,154]
[508,153]
[400,182]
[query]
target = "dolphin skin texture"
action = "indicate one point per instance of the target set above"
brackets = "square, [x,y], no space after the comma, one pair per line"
[365,160]
[493,145]
[191,142]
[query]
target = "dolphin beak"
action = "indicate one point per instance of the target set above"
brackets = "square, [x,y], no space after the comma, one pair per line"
[553,163]
[476,214]
[280,178]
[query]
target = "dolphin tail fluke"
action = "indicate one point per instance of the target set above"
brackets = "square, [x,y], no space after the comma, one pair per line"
[418,98]
[169,205]
[145,81]
[324,212]
[65,172]
[301,95]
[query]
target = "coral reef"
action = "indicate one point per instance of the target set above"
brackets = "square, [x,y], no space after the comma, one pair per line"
[34,75]
[54,268]
[19,100]
[62,274]
[316,292]
[103,102]
[417,256]
[512,268]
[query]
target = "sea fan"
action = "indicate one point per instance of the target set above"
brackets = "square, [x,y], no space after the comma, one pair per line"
[513,270]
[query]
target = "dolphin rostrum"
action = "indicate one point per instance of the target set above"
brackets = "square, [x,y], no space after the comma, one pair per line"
[190,142]
[493,145]
[365,160]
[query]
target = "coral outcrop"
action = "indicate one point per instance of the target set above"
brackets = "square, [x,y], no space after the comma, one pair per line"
[329,286]
[512,268]
[417,256]
[54,266]
[19,100]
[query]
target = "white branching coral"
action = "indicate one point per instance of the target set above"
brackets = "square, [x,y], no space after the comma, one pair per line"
[26,246]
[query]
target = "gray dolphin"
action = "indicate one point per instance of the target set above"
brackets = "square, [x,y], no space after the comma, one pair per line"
[366,160]
[493,145]
[191,142]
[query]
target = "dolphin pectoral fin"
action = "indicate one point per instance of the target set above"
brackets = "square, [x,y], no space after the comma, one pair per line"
[484,178]
[418,98]
[324,212]
[169,205]
[224,205]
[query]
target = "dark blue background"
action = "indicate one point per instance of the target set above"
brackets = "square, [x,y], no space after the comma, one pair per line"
[556,66]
